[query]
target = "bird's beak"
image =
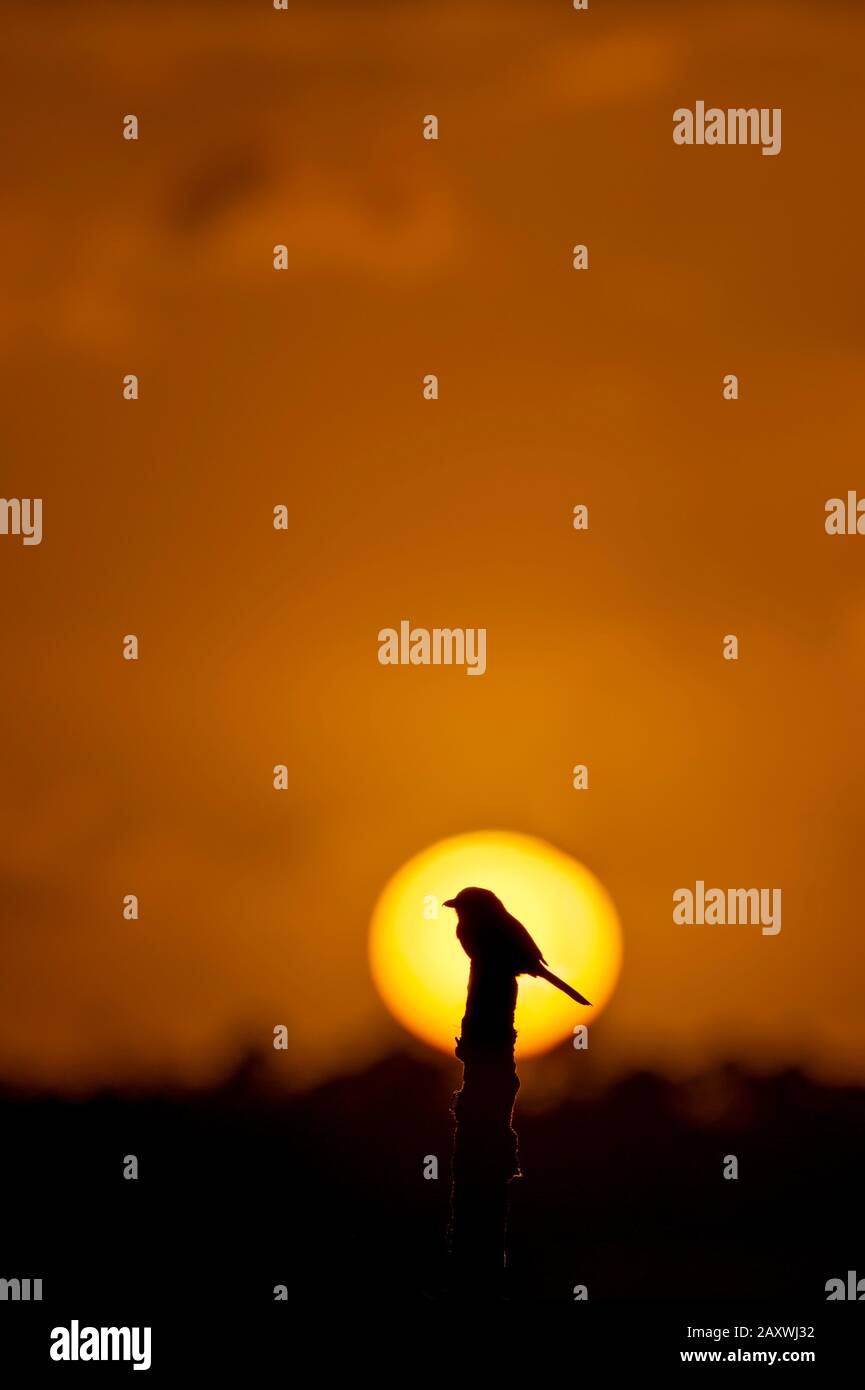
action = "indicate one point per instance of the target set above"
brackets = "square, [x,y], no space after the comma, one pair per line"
[451,902]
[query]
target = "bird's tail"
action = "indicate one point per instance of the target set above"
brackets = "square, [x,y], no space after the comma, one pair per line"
[560,984]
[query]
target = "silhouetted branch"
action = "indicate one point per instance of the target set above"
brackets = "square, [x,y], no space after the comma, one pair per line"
[485,1145]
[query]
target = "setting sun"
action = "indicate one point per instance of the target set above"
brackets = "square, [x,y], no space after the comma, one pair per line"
[421,970]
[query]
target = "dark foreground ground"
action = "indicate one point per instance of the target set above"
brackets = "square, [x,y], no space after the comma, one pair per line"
[241,1190]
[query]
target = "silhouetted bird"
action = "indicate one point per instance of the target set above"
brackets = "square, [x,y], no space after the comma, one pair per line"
[487,932]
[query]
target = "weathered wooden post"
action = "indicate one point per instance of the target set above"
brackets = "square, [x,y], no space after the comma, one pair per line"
[485,1146]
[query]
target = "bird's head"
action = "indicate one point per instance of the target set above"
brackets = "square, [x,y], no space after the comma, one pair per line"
[474,903]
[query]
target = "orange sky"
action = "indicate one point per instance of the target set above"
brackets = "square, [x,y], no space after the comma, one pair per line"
[258,647]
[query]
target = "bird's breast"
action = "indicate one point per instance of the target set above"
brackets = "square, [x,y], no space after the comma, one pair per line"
[466,938]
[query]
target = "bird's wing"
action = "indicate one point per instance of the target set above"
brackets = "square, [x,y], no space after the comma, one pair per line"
[524,943]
